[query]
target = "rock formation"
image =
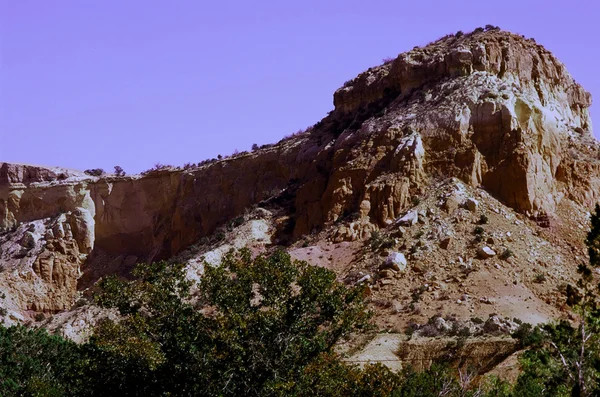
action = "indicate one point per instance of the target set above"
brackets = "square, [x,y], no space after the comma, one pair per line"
[493,109]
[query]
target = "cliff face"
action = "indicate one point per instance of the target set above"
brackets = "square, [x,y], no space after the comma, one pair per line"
[491,108]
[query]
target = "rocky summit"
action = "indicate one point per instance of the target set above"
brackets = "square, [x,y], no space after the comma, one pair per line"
[455,179]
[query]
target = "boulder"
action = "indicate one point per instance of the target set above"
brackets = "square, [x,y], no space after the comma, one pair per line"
[485,252]
[446,242]
[396,261]
[471,204]
[411,218]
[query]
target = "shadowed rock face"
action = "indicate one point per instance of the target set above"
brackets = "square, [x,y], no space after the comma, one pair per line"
[491,108]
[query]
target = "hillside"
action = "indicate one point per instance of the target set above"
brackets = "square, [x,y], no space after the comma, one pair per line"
[455,179]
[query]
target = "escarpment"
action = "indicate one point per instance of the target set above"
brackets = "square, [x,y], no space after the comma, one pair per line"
[492,109]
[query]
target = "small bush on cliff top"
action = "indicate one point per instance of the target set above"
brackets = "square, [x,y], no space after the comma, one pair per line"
[95,172]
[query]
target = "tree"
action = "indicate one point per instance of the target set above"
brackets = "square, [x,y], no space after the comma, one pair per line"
[250,328]
[565,360]
[37,364]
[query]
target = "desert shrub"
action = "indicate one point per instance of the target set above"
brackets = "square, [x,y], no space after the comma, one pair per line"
[119,171]
[507,253]
[254,147]
[39,317]
[478,230]
[429,331]
[379,240]
[156,167]
[95,172]
[483,219]
[539,278]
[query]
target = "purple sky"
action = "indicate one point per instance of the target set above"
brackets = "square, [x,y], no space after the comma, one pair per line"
[87,84]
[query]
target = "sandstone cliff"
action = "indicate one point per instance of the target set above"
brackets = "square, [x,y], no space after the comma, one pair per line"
[491,108]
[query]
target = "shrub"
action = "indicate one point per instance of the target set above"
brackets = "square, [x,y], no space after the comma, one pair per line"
[483,219]
[95,172]
[478,230]
[39,317]
[507,253]
[156,167]
[119,171]
[539,278]
[254,147]
[459,34]
[387,60]
[379,240]
[429,331]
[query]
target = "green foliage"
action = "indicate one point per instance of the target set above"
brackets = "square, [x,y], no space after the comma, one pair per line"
[593,238]
[257,324]
[36,364]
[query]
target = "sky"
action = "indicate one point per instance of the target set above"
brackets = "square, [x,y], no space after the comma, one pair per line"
[93,84]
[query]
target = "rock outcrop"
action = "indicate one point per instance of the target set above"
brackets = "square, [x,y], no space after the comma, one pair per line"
[490,108]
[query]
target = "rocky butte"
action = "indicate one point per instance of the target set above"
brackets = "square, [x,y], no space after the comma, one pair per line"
[469,164]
